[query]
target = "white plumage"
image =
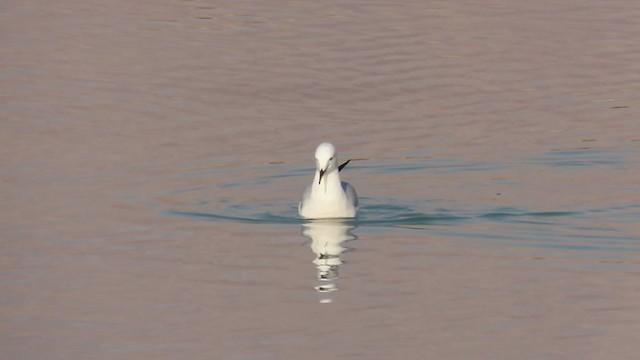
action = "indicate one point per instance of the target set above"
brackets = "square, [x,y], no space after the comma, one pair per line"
[328,197]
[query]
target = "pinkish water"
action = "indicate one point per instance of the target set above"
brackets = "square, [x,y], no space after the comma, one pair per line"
[153,154]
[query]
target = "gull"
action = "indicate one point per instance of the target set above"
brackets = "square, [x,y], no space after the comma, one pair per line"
[328,197]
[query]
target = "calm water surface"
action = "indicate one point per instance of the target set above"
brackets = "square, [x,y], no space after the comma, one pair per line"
[603,234]
[153,154]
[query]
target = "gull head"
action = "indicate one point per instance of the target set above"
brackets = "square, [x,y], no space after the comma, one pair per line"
[326,159]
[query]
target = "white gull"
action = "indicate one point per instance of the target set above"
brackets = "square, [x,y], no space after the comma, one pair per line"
[328,197]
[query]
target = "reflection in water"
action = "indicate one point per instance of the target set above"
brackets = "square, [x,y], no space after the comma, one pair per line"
[327,240]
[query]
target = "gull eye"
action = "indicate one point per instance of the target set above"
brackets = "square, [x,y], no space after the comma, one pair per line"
[331,158]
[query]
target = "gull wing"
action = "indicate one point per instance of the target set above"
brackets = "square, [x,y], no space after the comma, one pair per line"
[343,165]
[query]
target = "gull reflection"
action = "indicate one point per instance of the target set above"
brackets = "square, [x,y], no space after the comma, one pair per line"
[328,242]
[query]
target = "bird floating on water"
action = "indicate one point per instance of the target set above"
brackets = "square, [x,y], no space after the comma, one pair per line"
[328,197]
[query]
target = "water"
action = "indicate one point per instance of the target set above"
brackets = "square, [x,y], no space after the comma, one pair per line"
[503,265]
[499,223]
[153,156]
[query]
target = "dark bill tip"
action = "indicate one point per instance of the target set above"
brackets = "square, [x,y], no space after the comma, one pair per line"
[321,174]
